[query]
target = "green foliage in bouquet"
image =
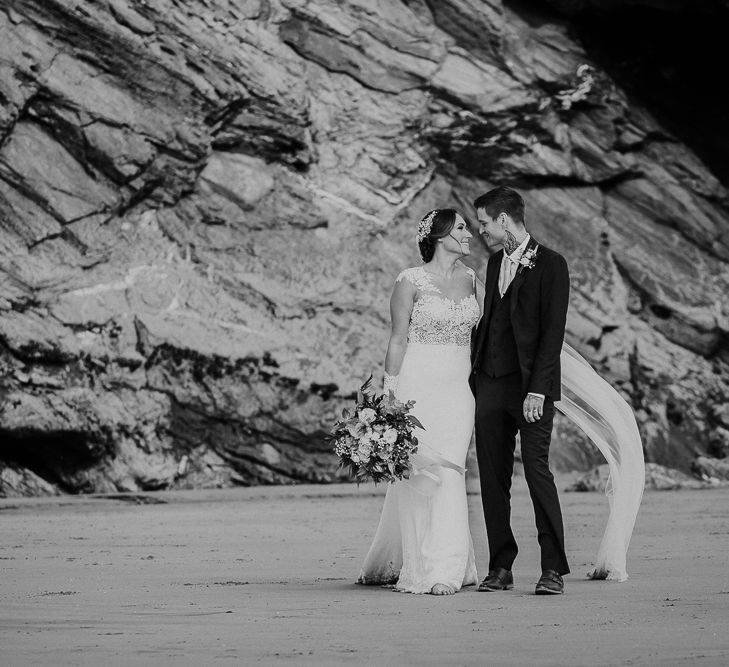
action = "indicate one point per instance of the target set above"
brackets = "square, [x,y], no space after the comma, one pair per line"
[375,441]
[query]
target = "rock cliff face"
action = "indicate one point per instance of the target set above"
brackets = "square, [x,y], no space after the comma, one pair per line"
[203,206]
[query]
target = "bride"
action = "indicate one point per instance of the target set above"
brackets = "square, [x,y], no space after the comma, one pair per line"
[423,543]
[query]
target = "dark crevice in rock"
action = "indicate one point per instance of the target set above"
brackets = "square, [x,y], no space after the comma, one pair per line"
[214,366]
[141,194]
[475,144]
[69,237]
[722,357]
[56,456]
[32,352]
[269,144]
[596,342]
[674,413]
[309,309]
[219,119]
[196,158]
[326,391]
[661,311]
[536,181]
[25,305]
[261,128]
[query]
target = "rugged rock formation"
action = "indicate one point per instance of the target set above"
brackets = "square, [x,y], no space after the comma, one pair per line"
[711,469]
[203,206]
[657,478]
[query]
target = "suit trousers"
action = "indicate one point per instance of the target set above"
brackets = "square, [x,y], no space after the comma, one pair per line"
[499,416]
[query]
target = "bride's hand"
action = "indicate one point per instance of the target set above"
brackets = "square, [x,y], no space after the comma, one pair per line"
[390,383]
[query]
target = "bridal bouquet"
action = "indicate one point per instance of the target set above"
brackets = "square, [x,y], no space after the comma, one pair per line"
[376,440]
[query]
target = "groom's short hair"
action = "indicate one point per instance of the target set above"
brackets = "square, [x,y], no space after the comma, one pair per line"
[502,199]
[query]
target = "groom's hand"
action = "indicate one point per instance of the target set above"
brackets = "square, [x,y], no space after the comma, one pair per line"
[533,407]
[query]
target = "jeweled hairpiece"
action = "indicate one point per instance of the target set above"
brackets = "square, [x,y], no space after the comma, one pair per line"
[425,224]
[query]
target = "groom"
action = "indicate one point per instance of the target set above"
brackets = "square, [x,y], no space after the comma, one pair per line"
[516,380]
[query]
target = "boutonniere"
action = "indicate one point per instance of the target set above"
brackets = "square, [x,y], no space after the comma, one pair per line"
[528,258]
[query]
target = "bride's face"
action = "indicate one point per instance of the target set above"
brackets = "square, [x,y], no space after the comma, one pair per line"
[458,238]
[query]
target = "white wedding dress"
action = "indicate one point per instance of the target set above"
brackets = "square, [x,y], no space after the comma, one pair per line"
[423,537]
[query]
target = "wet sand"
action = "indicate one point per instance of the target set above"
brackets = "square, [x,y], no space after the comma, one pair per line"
[264,576]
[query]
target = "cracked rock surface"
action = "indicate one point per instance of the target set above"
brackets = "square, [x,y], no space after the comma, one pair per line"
[203,206]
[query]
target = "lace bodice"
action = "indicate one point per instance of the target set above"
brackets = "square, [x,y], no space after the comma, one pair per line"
[437,319]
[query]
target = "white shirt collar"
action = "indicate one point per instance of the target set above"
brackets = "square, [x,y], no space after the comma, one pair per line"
[516,255]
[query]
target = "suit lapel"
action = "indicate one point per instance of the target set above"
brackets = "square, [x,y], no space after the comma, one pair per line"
[520,277]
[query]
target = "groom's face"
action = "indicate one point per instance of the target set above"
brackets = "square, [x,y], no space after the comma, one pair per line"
[491,229]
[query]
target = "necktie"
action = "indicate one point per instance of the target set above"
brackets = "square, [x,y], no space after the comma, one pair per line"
[507,273]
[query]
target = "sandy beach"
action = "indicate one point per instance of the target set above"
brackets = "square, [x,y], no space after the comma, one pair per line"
[265,576]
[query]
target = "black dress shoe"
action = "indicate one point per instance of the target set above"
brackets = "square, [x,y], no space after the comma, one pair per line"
[550,583]
[498,580]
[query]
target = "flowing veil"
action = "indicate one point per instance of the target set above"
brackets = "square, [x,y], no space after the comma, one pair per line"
[607,419]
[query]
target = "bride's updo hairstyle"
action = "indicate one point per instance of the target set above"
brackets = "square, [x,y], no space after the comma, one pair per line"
[435,225]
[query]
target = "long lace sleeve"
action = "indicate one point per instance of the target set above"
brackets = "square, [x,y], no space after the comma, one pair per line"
[607,419]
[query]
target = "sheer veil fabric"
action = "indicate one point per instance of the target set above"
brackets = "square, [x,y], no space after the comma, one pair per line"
[608,421]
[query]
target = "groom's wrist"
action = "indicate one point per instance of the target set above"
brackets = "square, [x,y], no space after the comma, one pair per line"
[534,393]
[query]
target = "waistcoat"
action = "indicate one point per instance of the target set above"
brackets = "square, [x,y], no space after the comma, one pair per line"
[500,353]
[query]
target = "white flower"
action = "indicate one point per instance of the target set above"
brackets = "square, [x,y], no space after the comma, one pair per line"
[390,436]
[528,258]
[356,429]
[365,450]
[367,416]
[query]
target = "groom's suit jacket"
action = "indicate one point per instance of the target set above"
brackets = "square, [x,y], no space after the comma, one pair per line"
[538,299]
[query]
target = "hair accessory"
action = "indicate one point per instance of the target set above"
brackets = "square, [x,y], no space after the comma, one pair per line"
[425,224]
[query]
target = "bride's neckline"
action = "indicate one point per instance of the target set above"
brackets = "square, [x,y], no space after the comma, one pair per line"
[438,275]
[436,293]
